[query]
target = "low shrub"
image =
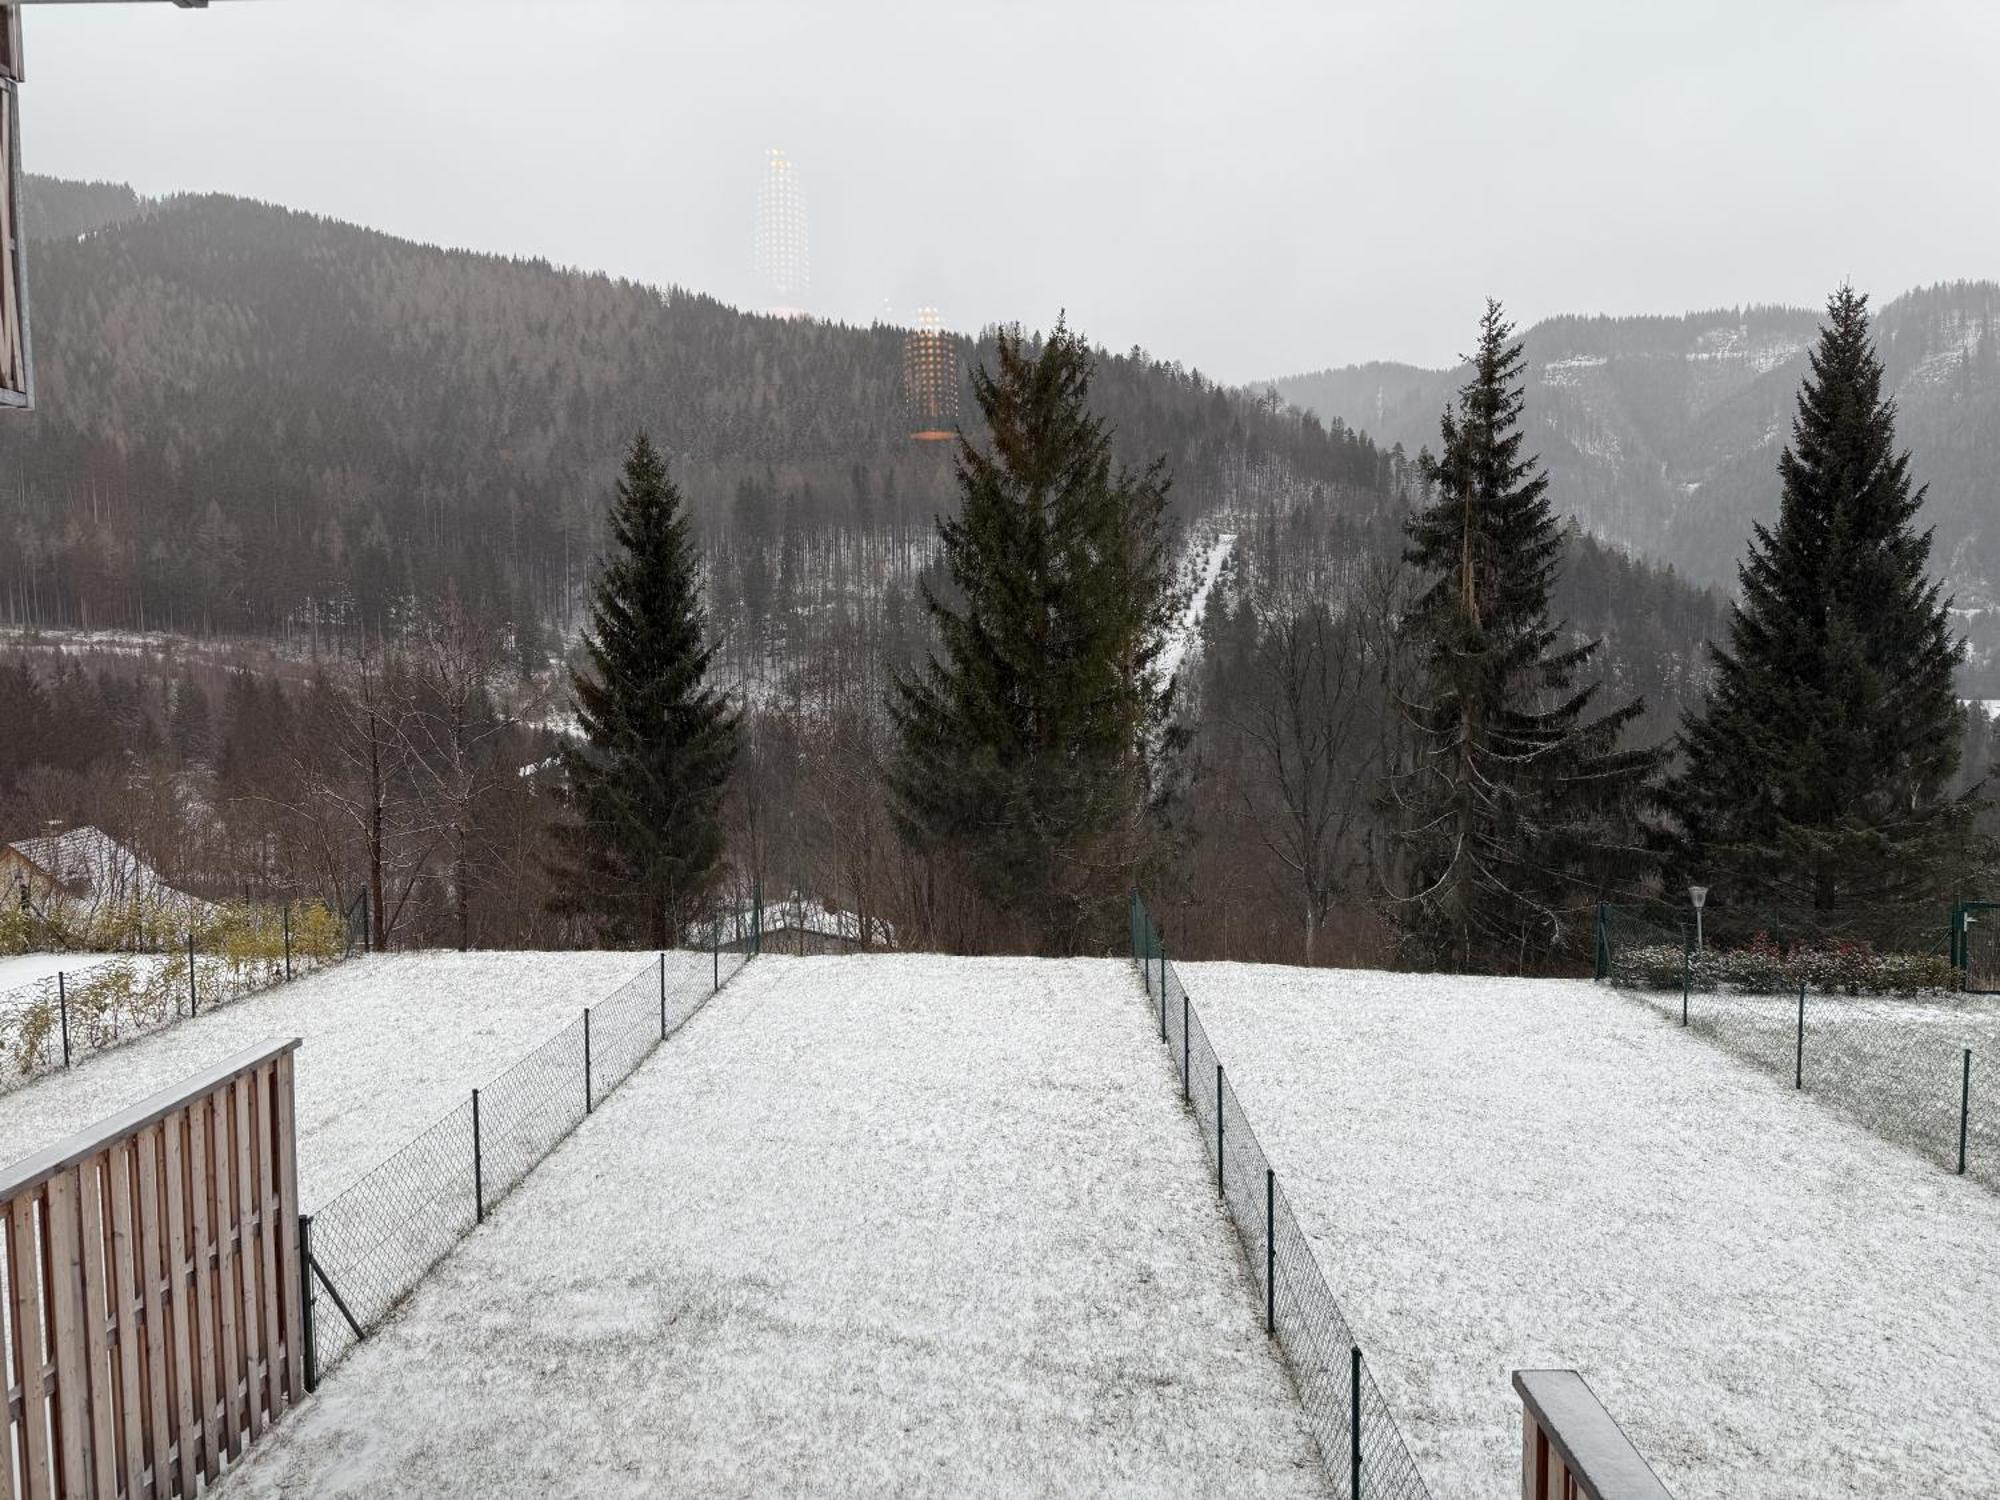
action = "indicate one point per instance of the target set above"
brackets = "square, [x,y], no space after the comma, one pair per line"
[1760,967]
[239,949]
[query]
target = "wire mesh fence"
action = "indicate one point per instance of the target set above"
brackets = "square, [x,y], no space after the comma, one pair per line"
[69,1015]
[1357,1435]
[1920,1068]
[369,1246]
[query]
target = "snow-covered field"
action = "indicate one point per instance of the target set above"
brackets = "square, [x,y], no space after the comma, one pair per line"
[25,968]
[390,1043]
[1894,1065]
[1505,1173]
[876,1224]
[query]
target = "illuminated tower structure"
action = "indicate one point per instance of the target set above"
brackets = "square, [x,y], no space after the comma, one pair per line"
[784,257]
[930,380]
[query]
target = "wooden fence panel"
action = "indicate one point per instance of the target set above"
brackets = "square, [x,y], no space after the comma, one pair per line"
[151,1290]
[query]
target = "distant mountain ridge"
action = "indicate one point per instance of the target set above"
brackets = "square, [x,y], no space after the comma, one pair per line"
[1662,434]
[251,419]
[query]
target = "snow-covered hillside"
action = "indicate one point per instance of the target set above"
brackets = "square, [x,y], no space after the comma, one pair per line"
[1202,563]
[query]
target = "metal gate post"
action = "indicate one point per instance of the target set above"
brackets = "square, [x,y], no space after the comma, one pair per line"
[1270,1251]
[1219,1190]
[308,1341]
[478,1166]
[1964,1108]
[1354,1422]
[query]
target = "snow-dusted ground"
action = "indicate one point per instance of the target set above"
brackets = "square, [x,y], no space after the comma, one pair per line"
[866,1225]
[390,1043]
[1203,570]
[1507,1173]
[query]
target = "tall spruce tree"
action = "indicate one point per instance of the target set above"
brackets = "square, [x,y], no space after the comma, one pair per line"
[1028,746]
[1513,808]
[646,778]
[1815,790]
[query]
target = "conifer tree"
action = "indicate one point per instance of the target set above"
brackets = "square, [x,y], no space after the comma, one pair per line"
[1029,745]
[646,777]
[1815,792]
[1513,808]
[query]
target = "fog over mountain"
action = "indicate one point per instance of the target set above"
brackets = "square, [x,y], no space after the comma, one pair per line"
[1265,186]
[1662,434]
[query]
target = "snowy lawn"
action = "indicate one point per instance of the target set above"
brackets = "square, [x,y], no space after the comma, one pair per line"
[1896,1066]
[26,968]
[390,1043]
[866,1225]
[1504,1173]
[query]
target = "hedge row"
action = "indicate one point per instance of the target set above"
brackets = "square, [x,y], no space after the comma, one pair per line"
[238,950]
[1761,968]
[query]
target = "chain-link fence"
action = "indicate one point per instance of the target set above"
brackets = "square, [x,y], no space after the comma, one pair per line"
[1920,1067]
[72,1013]
[368,1247]
[1350,1420]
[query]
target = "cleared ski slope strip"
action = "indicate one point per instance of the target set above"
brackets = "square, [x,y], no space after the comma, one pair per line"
[1515,1173]
[391,1042]
[866,1225]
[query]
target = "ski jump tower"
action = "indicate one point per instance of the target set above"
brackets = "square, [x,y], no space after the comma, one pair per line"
[930,380]
[784,255]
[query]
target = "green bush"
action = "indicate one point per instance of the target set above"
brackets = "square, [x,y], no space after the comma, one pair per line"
[239,949]
[1760,967]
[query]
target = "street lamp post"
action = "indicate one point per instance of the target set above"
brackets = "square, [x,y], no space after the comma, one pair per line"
[1698,895]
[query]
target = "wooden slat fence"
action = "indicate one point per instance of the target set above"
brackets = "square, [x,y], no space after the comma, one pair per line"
[151,1303]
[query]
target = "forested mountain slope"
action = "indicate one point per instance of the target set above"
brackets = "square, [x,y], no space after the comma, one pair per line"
[259,422]
[248,413]
[1663,433]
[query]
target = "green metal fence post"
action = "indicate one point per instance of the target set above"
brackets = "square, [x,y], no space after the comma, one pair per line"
[194,1000]
[1163,998]
[1270,1251]
[62,1001]
[478,1167]
[1687,964]
[586,1059]
[1799,1064]
[715,955]
[1964,1108]
[288,941]
[1220,1192]
[1354,1422]
[663,997]
[1602,947]
[1185,1055]
[308,1344]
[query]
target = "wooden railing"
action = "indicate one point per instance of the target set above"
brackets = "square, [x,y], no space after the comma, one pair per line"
[151,1289]
[1571,1449]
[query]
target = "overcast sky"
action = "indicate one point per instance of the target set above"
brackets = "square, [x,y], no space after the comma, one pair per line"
[1253,189]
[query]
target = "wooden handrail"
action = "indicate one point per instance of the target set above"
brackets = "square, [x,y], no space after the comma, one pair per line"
[37,1167]
[1572,1449]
